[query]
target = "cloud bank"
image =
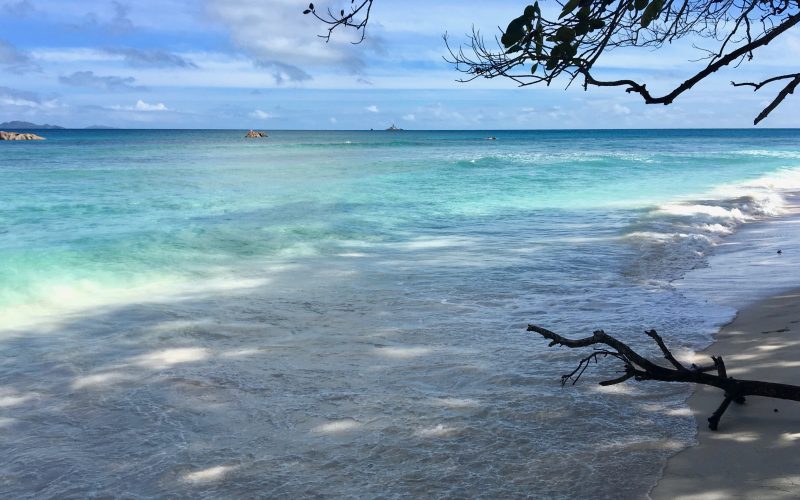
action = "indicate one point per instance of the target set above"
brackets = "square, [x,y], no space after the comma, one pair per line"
[151,58]
[15,60]
[277,36]
[89,80]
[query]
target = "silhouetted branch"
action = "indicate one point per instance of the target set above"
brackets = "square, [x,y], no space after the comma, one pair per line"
[534,49]
[640,368]
[788,89]
[705,72]
[347,19]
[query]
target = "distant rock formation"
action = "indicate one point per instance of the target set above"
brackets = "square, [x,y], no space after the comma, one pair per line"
[394,128]
[15,136]
[18,125]
[253,134]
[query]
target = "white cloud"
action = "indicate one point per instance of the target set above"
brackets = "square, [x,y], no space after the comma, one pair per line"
[25,99]
[15,60]
[619,109]
[373,109]
[261,115]
[119,23]
[142,106]
[409,117]
[279,37]
[334,120]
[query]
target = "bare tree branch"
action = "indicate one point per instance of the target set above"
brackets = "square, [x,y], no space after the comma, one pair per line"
[571,45]
[640,368]
[788,89]
[705,72]
[347,19]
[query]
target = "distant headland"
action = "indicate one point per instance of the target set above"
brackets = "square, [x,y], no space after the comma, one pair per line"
[19,125]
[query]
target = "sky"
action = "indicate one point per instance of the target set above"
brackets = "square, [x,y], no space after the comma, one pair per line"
[260,64]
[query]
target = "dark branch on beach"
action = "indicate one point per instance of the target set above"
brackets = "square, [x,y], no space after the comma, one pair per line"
[535,49]
[640,368]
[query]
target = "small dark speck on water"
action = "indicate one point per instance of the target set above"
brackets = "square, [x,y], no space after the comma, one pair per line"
[775,410]
[780,251]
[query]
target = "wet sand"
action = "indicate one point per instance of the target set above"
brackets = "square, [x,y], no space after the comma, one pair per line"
[756,451]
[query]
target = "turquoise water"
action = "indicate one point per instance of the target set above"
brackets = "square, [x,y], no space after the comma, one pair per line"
[342,313]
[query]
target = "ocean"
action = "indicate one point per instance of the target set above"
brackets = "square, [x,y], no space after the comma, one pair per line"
[343,314]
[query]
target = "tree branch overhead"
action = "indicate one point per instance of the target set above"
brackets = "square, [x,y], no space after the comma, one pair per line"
[538,50]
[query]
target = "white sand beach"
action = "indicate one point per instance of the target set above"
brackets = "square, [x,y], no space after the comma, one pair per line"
[756,451]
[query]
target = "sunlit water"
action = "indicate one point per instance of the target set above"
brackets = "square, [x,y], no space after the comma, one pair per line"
[343,313]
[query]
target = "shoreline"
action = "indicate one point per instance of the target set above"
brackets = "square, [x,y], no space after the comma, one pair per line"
[756,451]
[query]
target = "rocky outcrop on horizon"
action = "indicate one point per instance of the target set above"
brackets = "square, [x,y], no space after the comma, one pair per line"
[16,136]
[252,134]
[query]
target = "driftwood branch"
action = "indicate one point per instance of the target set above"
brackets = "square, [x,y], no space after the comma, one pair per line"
[640,368]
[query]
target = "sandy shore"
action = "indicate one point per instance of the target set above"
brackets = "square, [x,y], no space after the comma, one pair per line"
[756,452]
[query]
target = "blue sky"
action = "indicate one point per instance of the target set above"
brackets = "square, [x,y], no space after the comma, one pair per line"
[259,64]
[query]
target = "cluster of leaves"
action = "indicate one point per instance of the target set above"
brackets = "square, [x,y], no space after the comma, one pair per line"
[583,30]
[527,34]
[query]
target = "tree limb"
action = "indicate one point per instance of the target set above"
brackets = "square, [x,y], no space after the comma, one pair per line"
[668,98]
[640,368]
[347,19]
[571,44]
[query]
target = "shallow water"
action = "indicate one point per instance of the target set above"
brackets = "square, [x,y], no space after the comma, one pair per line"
[343,313]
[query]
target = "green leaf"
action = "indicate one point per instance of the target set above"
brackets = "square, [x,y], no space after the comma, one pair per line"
[539,45]
[569,7]
[596,24]
[534,67]
[564,34]
[651,12]
[515,32]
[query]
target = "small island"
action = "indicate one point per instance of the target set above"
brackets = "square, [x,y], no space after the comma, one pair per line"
[253,134]
[394,128]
